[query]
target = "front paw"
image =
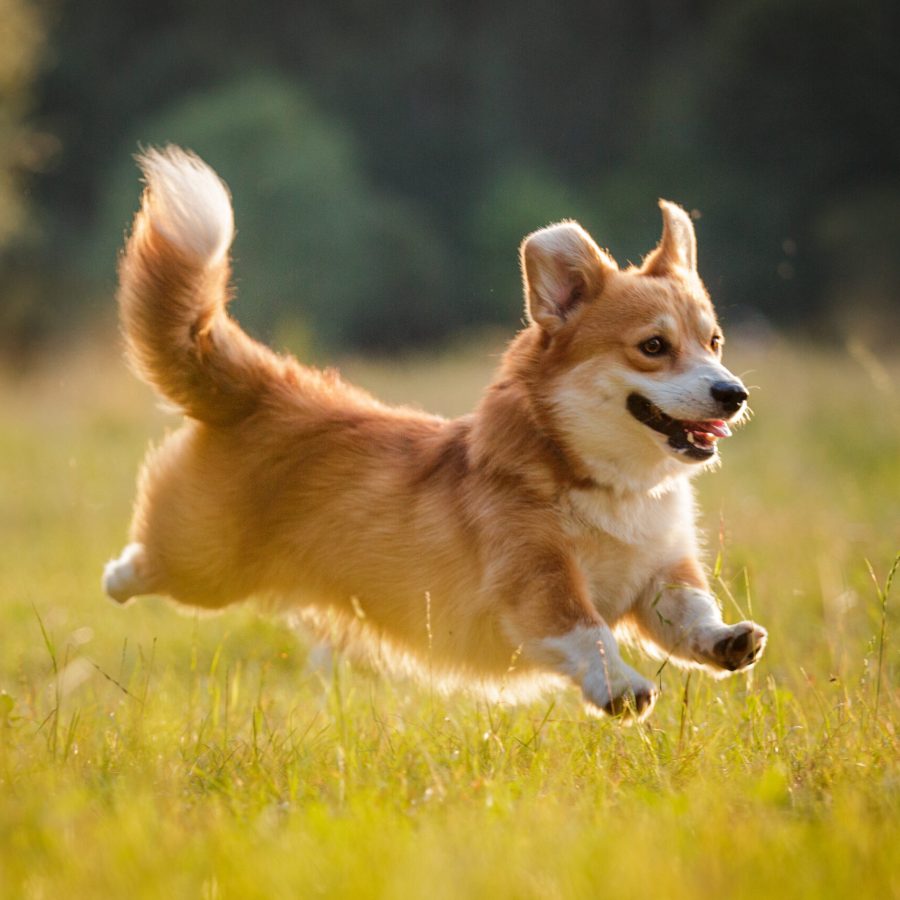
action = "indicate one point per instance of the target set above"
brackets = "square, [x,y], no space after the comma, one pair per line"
[629,699]
[738,647]
[633,705]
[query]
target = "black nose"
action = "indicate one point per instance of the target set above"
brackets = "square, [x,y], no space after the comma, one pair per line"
[730,395]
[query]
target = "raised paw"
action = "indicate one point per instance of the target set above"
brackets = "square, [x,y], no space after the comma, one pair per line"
[740,647]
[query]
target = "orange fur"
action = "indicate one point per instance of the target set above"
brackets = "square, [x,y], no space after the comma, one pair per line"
[461,541]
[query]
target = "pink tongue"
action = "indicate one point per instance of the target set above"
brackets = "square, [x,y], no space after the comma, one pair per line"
[713,426]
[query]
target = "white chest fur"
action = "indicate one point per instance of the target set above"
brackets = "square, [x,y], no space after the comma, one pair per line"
[624,541]
[633,518]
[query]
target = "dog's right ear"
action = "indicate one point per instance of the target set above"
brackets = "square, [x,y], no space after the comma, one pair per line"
[562,268]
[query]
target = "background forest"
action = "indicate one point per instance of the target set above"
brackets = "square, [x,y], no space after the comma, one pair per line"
[386,159]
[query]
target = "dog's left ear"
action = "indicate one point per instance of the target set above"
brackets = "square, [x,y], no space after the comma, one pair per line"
[562,268]
[678,246]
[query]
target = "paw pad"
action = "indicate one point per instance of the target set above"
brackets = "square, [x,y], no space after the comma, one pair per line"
[741,647]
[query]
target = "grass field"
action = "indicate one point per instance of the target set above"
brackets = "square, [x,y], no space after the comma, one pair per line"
[147,753]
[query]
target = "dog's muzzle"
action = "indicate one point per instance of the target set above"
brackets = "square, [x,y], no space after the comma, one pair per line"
[695,440]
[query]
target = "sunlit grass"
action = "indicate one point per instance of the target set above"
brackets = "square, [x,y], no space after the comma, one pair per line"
[147,753]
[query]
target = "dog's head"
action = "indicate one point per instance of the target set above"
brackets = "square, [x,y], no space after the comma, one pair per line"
[631,358]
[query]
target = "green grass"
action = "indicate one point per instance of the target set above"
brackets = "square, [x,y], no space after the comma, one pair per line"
[148,753]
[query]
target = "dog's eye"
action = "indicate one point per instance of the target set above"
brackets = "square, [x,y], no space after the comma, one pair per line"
[716,343]
[655,346]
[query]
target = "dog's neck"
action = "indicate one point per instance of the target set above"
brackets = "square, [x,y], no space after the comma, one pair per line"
[571,471]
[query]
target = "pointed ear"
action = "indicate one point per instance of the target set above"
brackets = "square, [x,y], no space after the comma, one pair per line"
[562,268]
[678,246]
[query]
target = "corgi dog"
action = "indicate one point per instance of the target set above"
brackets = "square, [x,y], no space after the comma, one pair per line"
[504,546]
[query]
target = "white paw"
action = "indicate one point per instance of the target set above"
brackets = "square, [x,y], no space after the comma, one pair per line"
[590,657]
[622,693]
[733,648]
[121,577]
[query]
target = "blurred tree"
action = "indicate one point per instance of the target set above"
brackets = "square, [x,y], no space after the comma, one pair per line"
[21,38]
[517,199]
[315,242]
[803,101]
[24,152]
[447,131]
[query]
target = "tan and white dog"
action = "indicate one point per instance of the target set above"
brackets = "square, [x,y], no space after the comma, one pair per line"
[497,547]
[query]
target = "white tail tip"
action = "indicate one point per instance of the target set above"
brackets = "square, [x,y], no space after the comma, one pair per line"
[187,203]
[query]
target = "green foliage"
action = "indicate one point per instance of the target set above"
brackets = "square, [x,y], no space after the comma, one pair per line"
[315,243]
[20,43]
[517,200]
[777,121]
[24,152]
[796,92]
[145,753]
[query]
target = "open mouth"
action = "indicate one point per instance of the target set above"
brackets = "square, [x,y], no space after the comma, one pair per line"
[696,440]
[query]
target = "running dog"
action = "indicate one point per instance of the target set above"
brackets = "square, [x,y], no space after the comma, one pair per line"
[504,546]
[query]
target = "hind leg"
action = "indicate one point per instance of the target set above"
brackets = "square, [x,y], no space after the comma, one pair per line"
[129,575]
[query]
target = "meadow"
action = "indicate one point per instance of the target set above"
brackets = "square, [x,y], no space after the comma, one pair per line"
[145,752]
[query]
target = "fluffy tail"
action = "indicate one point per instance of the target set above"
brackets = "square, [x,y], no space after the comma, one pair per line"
[173,287]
